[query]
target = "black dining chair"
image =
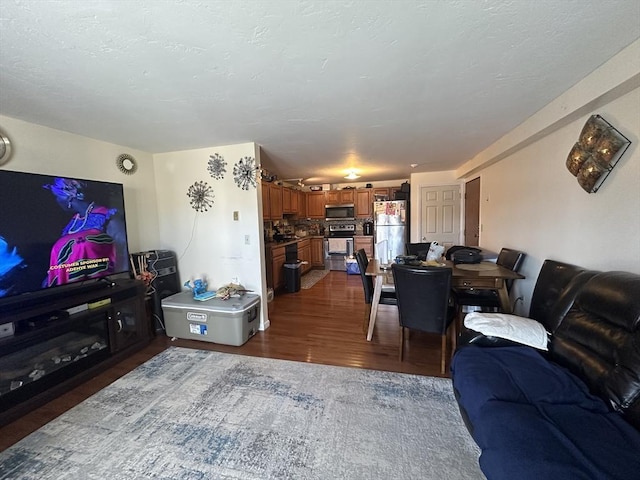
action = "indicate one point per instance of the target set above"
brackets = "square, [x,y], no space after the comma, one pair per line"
[423,303]
[387,296]
[488,300]
[420,250]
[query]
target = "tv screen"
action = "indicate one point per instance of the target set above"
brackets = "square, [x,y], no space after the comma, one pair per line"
[58,231]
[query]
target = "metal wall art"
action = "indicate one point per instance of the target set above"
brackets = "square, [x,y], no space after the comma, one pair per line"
[597,151]
[126,164]
[245,172]
[216,166]
[200,196]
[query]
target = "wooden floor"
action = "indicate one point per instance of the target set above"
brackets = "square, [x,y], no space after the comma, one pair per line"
[323,324]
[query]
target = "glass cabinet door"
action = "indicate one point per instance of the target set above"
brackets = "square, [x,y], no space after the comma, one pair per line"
[126,325]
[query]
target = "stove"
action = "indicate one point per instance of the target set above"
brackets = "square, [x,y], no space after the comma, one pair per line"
[342,231]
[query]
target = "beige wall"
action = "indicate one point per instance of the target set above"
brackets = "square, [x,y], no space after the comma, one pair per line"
[212,244]
[54,152]
[530,201]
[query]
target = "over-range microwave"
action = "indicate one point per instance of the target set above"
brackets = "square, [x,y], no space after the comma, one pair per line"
[340,212]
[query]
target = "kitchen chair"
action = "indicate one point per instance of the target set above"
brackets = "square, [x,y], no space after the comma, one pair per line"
[418,249]
[488,299]
[388,295]
[423,303]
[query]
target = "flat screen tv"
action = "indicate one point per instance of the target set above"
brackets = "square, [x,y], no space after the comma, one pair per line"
[59,231]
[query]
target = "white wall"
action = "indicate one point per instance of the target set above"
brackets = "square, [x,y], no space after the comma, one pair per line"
[48,151]
[530,201]
[211,244]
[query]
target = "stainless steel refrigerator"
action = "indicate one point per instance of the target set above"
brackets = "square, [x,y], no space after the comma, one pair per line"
[389,229]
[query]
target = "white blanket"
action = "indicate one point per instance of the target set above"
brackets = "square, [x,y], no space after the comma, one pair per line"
[337,245]
[512,327]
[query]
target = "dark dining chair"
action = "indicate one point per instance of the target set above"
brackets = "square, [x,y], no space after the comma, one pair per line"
[423,303]
[488,300]
[387,296]
[420,250]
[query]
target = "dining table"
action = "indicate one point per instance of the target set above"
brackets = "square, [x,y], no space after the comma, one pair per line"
[477,276]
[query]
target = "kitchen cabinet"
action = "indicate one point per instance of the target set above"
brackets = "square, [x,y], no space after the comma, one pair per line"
[340,197]
[364,205]
[271,201]
[286,200]
[275,201]
[381,193]
[266,204]
[275,268]
[392,192]
[304,254]
[315,204]
[365,242]
[317,252]
[302,205]
[295,202]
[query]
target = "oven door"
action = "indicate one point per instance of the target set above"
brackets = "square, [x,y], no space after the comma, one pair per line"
[335,252]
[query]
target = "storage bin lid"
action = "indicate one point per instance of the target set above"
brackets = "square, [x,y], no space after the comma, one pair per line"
[234,304]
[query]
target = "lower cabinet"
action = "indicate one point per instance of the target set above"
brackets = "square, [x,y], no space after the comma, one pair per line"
[317,252]
[365,242]
[304,254]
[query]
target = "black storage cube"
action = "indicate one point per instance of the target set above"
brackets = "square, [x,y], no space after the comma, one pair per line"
[292,274]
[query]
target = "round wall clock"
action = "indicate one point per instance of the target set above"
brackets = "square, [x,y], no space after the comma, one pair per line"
[5,148]
[126,164]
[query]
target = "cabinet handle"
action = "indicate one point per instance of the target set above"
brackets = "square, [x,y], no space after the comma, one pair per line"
[119,326]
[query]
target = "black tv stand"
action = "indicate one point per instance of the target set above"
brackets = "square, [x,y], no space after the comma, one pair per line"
[53,344]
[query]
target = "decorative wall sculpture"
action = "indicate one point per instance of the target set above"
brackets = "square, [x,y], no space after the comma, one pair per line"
[596,153]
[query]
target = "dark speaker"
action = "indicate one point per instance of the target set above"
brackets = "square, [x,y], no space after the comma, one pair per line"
[163,264]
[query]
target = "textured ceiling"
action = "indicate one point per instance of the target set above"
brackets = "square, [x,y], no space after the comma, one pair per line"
[321,85]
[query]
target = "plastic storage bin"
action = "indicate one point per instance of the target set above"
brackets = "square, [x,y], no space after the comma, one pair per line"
[352,266]
[292,274]
[229,322]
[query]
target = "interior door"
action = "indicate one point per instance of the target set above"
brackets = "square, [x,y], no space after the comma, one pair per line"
[440,215]
[472,213]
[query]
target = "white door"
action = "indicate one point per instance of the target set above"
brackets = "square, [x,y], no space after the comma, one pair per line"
[440,215]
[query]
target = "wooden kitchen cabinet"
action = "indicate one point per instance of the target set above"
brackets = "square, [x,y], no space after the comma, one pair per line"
[275,268]
[271,201]
[286,200]
[340,197]
[381,192]
[315,204]
[295,202]
[304,254]
[317,252]
[266,204]
[365,242]
[364,205]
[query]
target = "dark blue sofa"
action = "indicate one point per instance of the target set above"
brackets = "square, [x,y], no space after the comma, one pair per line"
[572,412]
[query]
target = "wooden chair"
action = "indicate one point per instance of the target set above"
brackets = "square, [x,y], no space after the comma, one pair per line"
[388,295]
[423,303]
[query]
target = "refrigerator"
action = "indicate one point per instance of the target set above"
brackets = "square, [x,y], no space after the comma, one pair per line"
[389,230]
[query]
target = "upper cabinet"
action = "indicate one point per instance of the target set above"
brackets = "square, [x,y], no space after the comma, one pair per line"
[340,197]
[271,201]
[364,205]
[315,204]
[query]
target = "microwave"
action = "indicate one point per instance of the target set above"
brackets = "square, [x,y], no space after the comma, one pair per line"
[340,212]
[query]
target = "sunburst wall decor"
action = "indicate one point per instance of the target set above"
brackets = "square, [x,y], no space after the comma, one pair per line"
[200,196]
[244,173]
[217,166]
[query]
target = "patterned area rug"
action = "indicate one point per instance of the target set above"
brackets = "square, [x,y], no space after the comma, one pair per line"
[193,414]
[309,279]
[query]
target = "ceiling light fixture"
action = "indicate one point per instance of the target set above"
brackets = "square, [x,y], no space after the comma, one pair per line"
[352,175]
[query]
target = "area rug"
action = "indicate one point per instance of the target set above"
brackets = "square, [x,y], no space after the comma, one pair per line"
[193,414]
[308,280]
